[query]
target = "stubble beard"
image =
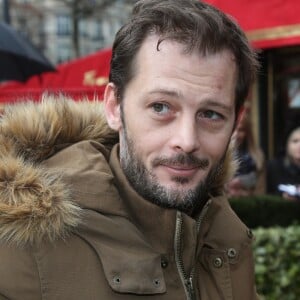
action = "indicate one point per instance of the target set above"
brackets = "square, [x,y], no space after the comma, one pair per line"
[146,183]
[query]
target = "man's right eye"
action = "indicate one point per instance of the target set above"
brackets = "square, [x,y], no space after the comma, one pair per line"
[161,108]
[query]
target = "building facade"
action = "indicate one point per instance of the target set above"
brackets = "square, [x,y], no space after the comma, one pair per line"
[49,24]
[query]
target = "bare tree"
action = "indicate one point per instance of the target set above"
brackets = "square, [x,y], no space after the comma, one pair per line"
[81,9]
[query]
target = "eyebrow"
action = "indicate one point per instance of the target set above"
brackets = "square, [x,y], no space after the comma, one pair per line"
[169,92]
[217,104]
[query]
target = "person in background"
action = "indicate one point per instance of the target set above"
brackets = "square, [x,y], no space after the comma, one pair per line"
[250,176]
[283,173]
[129,203]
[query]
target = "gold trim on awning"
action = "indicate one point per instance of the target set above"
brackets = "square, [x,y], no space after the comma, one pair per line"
[278,32]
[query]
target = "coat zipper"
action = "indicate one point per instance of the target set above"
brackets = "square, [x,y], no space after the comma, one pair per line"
[187,281]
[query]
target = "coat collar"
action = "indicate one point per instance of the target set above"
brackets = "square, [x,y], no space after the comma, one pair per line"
[154,221]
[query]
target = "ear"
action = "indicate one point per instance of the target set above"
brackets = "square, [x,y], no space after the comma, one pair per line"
[112,107]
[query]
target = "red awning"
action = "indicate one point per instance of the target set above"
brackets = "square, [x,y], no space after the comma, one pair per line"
[268,23]
[83,77]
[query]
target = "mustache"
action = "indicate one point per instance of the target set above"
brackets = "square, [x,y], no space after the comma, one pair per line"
[182,159]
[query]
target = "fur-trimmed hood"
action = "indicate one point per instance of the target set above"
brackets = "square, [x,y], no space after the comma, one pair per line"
[34,202]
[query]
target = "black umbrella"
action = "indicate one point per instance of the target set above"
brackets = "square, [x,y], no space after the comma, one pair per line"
[19,59]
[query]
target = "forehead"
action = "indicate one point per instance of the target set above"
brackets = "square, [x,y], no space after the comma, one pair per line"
[169,60]
[160,48]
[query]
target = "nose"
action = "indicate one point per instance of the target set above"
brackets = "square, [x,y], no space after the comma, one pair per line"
[185,136]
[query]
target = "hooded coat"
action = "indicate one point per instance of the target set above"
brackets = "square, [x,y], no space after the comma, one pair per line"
[72,228]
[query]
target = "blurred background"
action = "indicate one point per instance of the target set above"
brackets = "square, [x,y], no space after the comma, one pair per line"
[65,29]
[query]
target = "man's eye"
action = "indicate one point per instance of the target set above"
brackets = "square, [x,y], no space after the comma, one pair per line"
[210,114]
[160,108]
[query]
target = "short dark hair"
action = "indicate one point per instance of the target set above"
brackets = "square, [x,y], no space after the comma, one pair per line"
[196,25]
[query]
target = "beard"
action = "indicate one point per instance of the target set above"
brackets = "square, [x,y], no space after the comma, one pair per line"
[147,185]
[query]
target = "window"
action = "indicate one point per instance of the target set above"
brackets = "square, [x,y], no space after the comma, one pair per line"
[286,90]
[64,26]
[63,53]
[83,30]
[97,34]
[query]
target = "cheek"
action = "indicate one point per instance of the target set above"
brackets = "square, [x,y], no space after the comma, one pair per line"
[147,142]
[294,149]
[152,144]
[290,149]
[214,147]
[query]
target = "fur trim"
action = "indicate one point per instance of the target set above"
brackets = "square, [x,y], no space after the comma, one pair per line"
[34,202]
[226,173]
[35,129]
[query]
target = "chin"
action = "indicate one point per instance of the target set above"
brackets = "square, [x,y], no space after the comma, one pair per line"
[181,184]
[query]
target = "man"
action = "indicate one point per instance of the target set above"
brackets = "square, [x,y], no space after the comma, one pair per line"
[86,217]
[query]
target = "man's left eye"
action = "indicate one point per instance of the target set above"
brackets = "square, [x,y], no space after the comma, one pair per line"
[210,114]
[161,108]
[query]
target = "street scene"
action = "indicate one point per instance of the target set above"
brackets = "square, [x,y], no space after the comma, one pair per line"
[143,131]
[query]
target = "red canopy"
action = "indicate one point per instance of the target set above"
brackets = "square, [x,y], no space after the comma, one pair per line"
[268,23]
[83,77]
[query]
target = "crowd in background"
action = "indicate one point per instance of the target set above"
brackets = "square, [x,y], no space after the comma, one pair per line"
[255,174]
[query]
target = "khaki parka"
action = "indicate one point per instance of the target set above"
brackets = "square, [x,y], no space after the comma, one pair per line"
[72,228]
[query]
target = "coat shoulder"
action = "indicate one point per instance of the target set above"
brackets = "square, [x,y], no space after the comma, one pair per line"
[226,229]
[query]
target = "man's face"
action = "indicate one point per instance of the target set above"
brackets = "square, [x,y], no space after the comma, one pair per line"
[293,146]
[175,122]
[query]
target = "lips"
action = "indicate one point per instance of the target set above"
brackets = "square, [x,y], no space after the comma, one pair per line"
[182,171]
[181,165]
